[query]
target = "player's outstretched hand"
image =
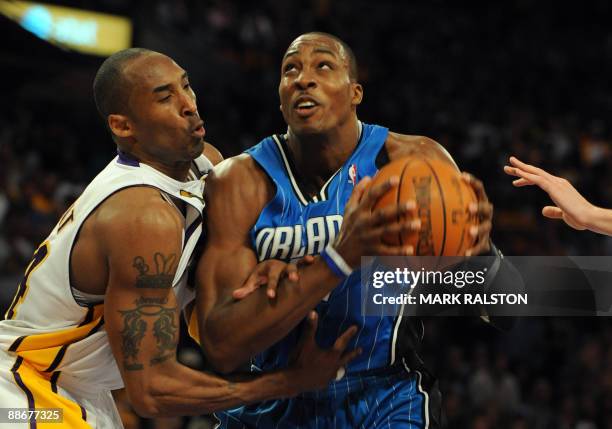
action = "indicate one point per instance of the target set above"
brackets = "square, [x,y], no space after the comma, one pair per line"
[270,273]
[312,367]
[364,227]
[570,206]
[483,209]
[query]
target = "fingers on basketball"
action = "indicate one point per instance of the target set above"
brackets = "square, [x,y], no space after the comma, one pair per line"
[358,192]
[376,191]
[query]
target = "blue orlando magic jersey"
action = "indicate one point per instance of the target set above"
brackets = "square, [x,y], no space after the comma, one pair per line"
[291,226]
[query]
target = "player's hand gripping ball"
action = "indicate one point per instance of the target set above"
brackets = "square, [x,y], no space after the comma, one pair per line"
[442,204]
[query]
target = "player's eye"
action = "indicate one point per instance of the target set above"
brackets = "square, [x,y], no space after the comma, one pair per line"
[288,67]
[166,98]
[325,65]
[186,86]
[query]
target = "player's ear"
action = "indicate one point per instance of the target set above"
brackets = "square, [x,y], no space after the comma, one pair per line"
[357,94]
[120,125]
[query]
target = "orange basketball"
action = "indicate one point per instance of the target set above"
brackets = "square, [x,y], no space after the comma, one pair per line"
[442,200]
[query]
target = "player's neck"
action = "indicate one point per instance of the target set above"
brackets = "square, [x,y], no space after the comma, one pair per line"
[178,171]
[318,156]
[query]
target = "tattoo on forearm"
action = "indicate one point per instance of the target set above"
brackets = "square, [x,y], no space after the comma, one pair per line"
[134,328]
[165,331]
[161,278]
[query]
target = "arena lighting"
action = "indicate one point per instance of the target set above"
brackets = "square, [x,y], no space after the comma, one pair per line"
[80,30]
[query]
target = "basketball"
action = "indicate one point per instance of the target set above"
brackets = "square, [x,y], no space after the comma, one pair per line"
[442,203]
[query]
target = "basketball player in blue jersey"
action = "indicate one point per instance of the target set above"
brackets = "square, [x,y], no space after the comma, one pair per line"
[99,306]
[285,198]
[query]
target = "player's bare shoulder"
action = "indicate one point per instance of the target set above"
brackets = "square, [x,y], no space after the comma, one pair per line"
[134,209]
[402,145]
[241,182]
[212,153]
[134,214]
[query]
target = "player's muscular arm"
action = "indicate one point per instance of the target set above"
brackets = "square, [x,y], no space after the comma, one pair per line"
[401,145]
[141,238]
[233,331]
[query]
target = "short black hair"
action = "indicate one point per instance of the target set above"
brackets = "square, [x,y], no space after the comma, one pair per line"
[353,68]
[110,85]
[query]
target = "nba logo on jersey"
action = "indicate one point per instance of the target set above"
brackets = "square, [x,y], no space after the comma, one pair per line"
[353,174]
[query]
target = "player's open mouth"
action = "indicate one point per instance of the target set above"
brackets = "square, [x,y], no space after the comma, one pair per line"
[304,106]
[199,131]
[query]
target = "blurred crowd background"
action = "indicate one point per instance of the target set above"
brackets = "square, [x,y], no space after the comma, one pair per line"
[485,79]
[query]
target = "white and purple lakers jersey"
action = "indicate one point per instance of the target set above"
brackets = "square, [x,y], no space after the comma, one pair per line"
[292,225]
[46,326]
